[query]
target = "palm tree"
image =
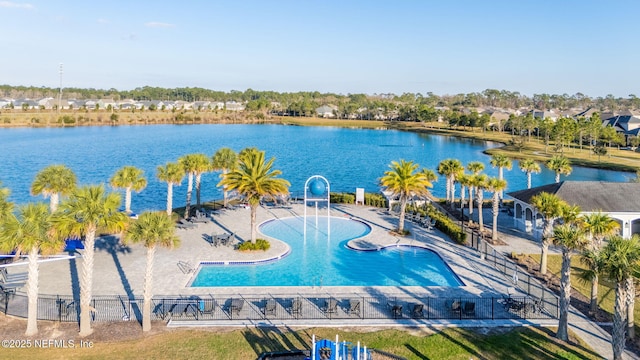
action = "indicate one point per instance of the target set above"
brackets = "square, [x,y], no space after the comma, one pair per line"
[569,238]
[87,210]
[450,168]
[254,179]
[559,165]
[53,181]
[129,178]
[226,160]
[172,174]
[495,186]
[464,180]
[620,262]
[501,162]
[194,165]
[550,206]
[529,166]
[479,182]
[593,260]
[153,229]
[598,225]
[30,233]
[403,181]
[475,167]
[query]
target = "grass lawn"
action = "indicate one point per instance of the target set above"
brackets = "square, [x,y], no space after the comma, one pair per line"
[519,343]
[606,289]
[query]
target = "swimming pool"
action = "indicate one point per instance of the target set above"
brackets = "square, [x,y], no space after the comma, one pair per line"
[322,260]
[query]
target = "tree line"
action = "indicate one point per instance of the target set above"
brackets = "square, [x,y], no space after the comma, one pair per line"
[299,102]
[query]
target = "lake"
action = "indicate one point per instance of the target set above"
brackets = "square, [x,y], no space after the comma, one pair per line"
[348,158]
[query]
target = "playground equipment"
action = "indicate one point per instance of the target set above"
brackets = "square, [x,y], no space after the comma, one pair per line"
[335,350]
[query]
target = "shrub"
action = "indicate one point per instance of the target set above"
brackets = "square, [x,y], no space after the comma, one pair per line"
[342,198]
[260,244]
[375,200]
[445,224]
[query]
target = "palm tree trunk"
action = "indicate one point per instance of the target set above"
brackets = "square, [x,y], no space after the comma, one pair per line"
[495,211]
[127,200]
[32,293]
[53,202]
[528,180]
[462,198]
[631,296]
[448,190]
[86,283]
[254,230]
[480,199]
[565,295]
[169,198]
[557,177]
[545,246]
[403,206]
[187,210]
[593,304]
[501,177]
[619,323]
[470,205]
[198,178]
[147,295]
[225,193]
[453,192]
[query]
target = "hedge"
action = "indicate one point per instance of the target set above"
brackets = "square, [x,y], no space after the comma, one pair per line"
[261,244]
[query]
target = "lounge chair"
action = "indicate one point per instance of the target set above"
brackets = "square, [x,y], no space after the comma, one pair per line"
[182,308]
[417,311]
[270,307]
[330,306]
[354,307]
[13,277]
[185,224]
[296,307]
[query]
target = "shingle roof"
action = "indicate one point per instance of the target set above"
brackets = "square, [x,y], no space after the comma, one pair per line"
[590,195]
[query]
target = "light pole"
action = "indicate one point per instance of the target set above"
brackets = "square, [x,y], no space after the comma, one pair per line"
[60,93]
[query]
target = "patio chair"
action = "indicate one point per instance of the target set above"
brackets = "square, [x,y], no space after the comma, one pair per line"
[270,307]
[296,307]
[396,311]
[207,306]
[469,308]
[417,311]
[330,306]
[200,218]
[354,307]
[5,277]
[452,305]
[431,224]
[236,306]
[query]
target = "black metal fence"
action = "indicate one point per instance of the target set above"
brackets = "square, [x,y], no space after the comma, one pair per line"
[518,277]
[236,307]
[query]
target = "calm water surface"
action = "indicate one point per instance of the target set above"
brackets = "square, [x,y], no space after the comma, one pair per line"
[348,158]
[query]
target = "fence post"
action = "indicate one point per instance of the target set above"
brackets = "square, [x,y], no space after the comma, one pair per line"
[492,309]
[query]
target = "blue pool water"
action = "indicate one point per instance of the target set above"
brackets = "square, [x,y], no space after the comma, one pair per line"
[322,260]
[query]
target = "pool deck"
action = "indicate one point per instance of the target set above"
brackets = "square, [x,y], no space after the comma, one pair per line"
[119,270]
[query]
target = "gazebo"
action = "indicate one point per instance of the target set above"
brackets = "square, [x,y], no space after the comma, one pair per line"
[621,201]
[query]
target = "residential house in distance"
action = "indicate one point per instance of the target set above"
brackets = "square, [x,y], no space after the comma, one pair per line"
[327,111]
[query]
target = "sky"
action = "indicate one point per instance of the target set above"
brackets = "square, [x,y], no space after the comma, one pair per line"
[344,47]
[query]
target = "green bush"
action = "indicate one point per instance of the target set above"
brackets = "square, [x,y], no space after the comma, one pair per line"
[261,244]
[443,223]
[375,200]
[342,198]
[67,119]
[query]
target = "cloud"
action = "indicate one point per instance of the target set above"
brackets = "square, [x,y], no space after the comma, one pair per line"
[9,4]
[155,24]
